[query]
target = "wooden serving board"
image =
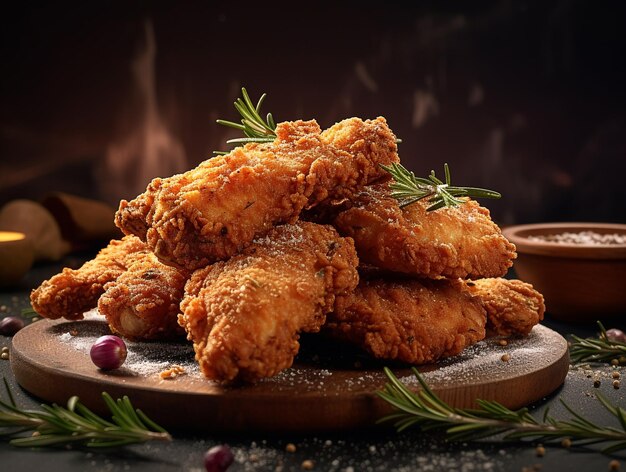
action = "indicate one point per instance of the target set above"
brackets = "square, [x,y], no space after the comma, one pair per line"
[328,388]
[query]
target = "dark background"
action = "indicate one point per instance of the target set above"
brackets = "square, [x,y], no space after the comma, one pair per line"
[523,97]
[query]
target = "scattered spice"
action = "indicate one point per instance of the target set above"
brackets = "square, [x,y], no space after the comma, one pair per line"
[615,374]
[614,465]
[614,362]
[290,447]
[172,372]
[5,356]
[503,342]
[307,464]
[596,383]
[540,451]
[615,384]
[566,443]
[506,357]
[582,237]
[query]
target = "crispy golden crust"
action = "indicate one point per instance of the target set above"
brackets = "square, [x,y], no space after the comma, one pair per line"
[142,304]
[450,242]
[513,307]
[244,315]
[74,291]
[407,320]
[215,210]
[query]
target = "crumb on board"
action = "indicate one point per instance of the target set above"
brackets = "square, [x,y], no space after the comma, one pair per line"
[173,372]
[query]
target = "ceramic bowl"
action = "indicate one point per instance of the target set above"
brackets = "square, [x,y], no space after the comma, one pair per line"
[581,279]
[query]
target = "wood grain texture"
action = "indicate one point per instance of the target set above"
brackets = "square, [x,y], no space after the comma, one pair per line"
[322,392]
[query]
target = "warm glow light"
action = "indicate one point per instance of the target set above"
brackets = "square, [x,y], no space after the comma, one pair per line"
[6,236]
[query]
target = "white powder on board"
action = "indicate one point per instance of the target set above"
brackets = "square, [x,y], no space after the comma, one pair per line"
[484,360]
[480,361]
[143,358]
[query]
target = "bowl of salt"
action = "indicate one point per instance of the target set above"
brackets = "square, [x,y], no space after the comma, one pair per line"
[579,267]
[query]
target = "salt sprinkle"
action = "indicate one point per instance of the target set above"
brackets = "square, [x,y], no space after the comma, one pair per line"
[142,358]
[483,358]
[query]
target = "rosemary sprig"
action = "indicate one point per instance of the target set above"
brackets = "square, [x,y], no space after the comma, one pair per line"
[427,411]
[256,129]
[408,189]
[76,424]
[600,349]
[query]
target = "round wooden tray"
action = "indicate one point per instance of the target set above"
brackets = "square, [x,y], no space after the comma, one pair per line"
[328,388]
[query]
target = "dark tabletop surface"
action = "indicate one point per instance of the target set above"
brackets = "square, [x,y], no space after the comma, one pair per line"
[382,450]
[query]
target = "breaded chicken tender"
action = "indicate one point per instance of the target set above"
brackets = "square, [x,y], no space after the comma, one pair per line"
[421,321]
[143,303]
[454,242]
[244,315]
[412,321]
[513,307]
[74,291]
[212,212]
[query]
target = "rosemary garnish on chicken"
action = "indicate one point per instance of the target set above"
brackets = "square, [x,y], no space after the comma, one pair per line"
[408,189]
[427,411]
[252,124]
[255,128]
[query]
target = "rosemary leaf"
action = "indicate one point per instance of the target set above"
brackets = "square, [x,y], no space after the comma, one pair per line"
[250,140]
[29,312]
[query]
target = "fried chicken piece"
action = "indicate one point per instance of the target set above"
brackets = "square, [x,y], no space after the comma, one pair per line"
[408,320]
[142,304]
[244,315]
[215,210]
[450,242]
[421,321]
[74,291]
[513,307]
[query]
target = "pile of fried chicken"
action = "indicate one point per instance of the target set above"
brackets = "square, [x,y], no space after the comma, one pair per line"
[251,248]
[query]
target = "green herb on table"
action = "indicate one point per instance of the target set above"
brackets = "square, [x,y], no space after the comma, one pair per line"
[29,312]
[408,189]
[255,129]
[427,411]
[76,424]
[600,349]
